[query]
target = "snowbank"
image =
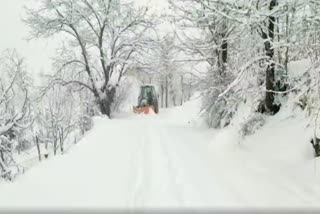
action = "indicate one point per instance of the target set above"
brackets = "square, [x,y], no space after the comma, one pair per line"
[274,167]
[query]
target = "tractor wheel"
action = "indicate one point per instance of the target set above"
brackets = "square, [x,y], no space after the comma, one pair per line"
[156,108]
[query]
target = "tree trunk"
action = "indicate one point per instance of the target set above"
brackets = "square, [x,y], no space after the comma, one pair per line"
[105,107]
[38,148]
[2,156]
[61,140]
[55,147]
[286,61]
[224,55]
[182,91]
[2,166]
[167,92]
[174,97]
[162,96]
[19,147]
[190,90]
[223,52]
[105,103]
[270,73]
[55,140]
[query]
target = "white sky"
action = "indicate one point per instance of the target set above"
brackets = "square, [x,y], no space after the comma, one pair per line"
[36,52]
[14,34]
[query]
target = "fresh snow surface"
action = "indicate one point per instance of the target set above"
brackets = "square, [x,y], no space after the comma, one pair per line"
[172,160]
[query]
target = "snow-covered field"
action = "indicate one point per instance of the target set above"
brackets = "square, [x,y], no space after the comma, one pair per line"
[172,160]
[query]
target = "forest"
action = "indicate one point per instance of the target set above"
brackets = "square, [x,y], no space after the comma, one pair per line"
[247,61]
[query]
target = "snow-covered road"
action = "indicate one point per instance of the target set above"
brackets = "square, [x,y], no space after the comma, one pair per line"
[170,169]
[132,162]
[155,161]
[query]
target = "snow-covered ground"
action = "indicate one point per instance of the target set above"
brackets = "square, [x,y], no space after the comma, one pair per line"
[172,160]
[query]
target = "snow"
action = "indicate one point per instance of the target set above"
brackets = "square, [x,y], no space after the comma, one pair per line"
[4,129]
[275,164]
[172,160]
[298,68]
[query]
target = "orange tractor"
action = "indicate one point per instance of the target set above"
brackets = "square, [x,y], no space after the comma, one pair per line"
[147,101]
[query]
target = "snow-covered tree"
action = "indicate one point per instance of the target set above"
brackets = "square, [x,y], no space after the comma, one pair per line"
[101,41]
[246,46]
[206,36]
[57,117]
[14,107]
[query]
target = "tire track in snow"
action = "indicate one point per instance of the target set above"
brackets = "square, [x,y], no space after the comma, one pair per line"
[155,180]
[139,167]
[171,165]
[194,178]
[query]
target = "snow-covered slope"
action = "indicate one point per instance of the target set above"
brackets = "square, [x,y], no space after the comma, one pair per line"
[274,167]
[171,160]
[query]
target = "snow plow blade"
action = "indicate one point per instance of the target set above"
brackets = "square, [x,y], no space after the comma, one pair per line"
[145,110]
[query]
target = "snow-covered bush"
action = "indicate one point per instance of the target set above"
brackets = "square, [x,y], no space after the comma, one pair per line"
[9,169]
[219,110]
[85,123]
[252,124]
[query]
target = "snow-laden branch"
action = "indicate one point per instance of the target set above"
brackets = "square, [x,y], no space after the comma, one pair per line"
[241,73]
[14,121]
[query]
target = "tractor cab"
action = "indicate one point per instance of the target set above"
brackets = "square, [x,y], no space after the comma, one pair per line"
[147,100]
